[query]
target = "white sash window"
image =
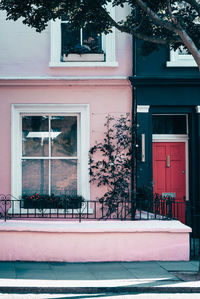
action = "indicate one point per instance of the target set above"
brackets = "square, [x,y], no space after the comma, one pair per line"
[50,146]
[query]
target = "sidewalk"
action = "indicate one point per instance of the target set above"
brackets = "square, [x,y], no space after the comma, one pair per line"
[96,277]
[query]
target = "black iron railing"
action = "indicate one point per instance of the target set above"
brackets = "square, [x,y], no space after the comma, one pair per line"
[146,209]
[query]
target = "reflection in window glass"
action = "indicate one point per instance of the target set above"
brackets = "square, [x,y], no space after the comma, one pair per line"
[169,124]
[80,41]
[35,136]
[35,176]
[69,39]
[64,142]
[182,51]
[63,177]
[92,40]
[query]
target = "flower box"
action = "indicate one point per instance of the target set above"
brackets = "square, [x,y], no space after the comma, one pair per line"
[44,201]
[73,57]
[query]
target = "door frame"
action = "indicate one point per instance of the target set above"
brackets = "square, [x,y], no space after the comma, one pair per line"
[176,138]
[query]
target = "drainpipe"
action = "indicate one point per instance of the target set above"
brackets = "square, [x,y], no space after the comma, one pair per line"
[134,134]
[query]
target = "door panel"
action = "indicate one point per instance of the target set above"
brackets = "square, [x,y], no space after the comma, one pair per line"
[169,172]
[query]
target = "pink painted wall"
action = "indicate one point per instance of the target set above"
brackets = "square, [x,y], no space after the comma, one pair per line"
[104,97]
[96,241]
[24,52]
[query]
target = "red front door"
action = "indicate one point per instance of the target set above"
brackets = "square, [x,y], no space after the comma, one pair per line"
[169,173]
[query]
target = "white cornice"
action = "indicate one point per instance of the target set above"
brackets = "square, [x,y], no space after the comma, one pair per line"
[91,81]
[143,108]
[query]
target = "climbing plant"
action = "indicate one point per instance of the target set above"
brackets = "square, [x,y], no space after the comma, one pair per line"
[111,162]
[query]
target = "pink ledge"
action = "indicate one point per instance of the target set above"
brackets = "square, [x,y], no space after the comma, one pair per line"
[95,226]
[94,241]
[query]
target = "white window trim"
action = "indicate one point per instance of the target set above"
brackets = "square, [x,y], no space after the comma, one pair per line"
[18,109]
[108,45]
[178,60]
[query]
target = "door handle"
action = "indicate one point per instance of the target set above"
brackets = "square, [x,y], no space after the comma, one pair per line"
[143,147]
[168,161]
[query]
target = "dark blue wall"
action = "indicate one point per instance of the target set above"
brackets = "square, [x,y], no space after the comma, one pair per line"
[155,64]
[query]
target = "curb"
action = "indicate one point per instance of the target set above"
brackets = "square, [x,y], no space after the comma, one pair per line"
[97,290]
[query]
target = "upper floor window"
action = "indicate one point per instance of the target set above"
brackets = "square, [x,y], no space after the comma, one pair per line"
[181,58]
[84,47]
[80,45]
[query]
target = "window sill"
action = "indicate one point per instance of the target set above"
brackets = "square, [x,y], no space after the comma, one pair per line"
[83,57]
[182,63]
[84,64]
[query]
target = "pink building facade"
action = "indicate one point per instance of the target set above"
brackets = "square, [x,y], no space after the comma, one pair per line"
[43,97]
[35,81]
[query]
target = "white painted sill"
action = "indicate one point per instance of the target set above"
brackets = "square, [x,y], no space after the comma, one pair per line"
[84,57]
[84,64]
[151,226]
[181,63]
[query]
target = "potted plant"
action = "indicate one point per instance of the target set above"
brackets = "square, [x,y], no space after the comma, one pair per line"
[82,53]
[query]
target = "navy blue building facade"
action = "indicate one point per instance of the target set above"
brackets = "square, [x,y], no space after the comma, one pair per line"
[168,110]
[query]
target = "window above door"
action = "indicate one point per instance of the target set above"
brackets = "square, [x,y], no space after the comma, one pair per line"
[169,124]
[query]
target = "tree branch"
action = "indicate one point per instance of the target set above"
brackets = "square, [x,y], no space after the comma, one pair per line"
[188,42]
[169,7]
[136,34]
[154,16]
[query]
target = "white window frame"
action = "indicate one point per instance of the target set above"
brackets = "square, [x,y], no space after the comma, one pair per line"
[16,141]
[108,46]
[179,60]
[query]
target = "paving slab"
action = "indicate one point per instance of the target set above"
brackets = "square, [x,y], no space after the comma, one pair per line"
[68,267]
[34,274]
[139,264]
[79,276]
[7,265]
[180,266]
[31,265]
[7,274]
[37,276]
[155,274]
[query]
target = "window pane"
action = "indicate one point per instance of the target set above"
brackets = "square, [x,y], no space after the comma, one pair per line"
[169,124]
[63,176]
[92,40]
[182,51]
[73,42]
[64,141]
[35,133]
[70,39]
[35,177]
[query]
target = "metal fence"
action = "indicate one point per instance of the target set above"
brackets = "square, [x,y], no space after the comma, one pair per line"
[145,209]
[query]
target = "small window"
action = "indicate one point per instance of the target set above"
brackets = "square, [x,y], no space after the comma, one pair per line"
[181,58]
[80,45]
[82,48]
[80,41]
[169,124]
